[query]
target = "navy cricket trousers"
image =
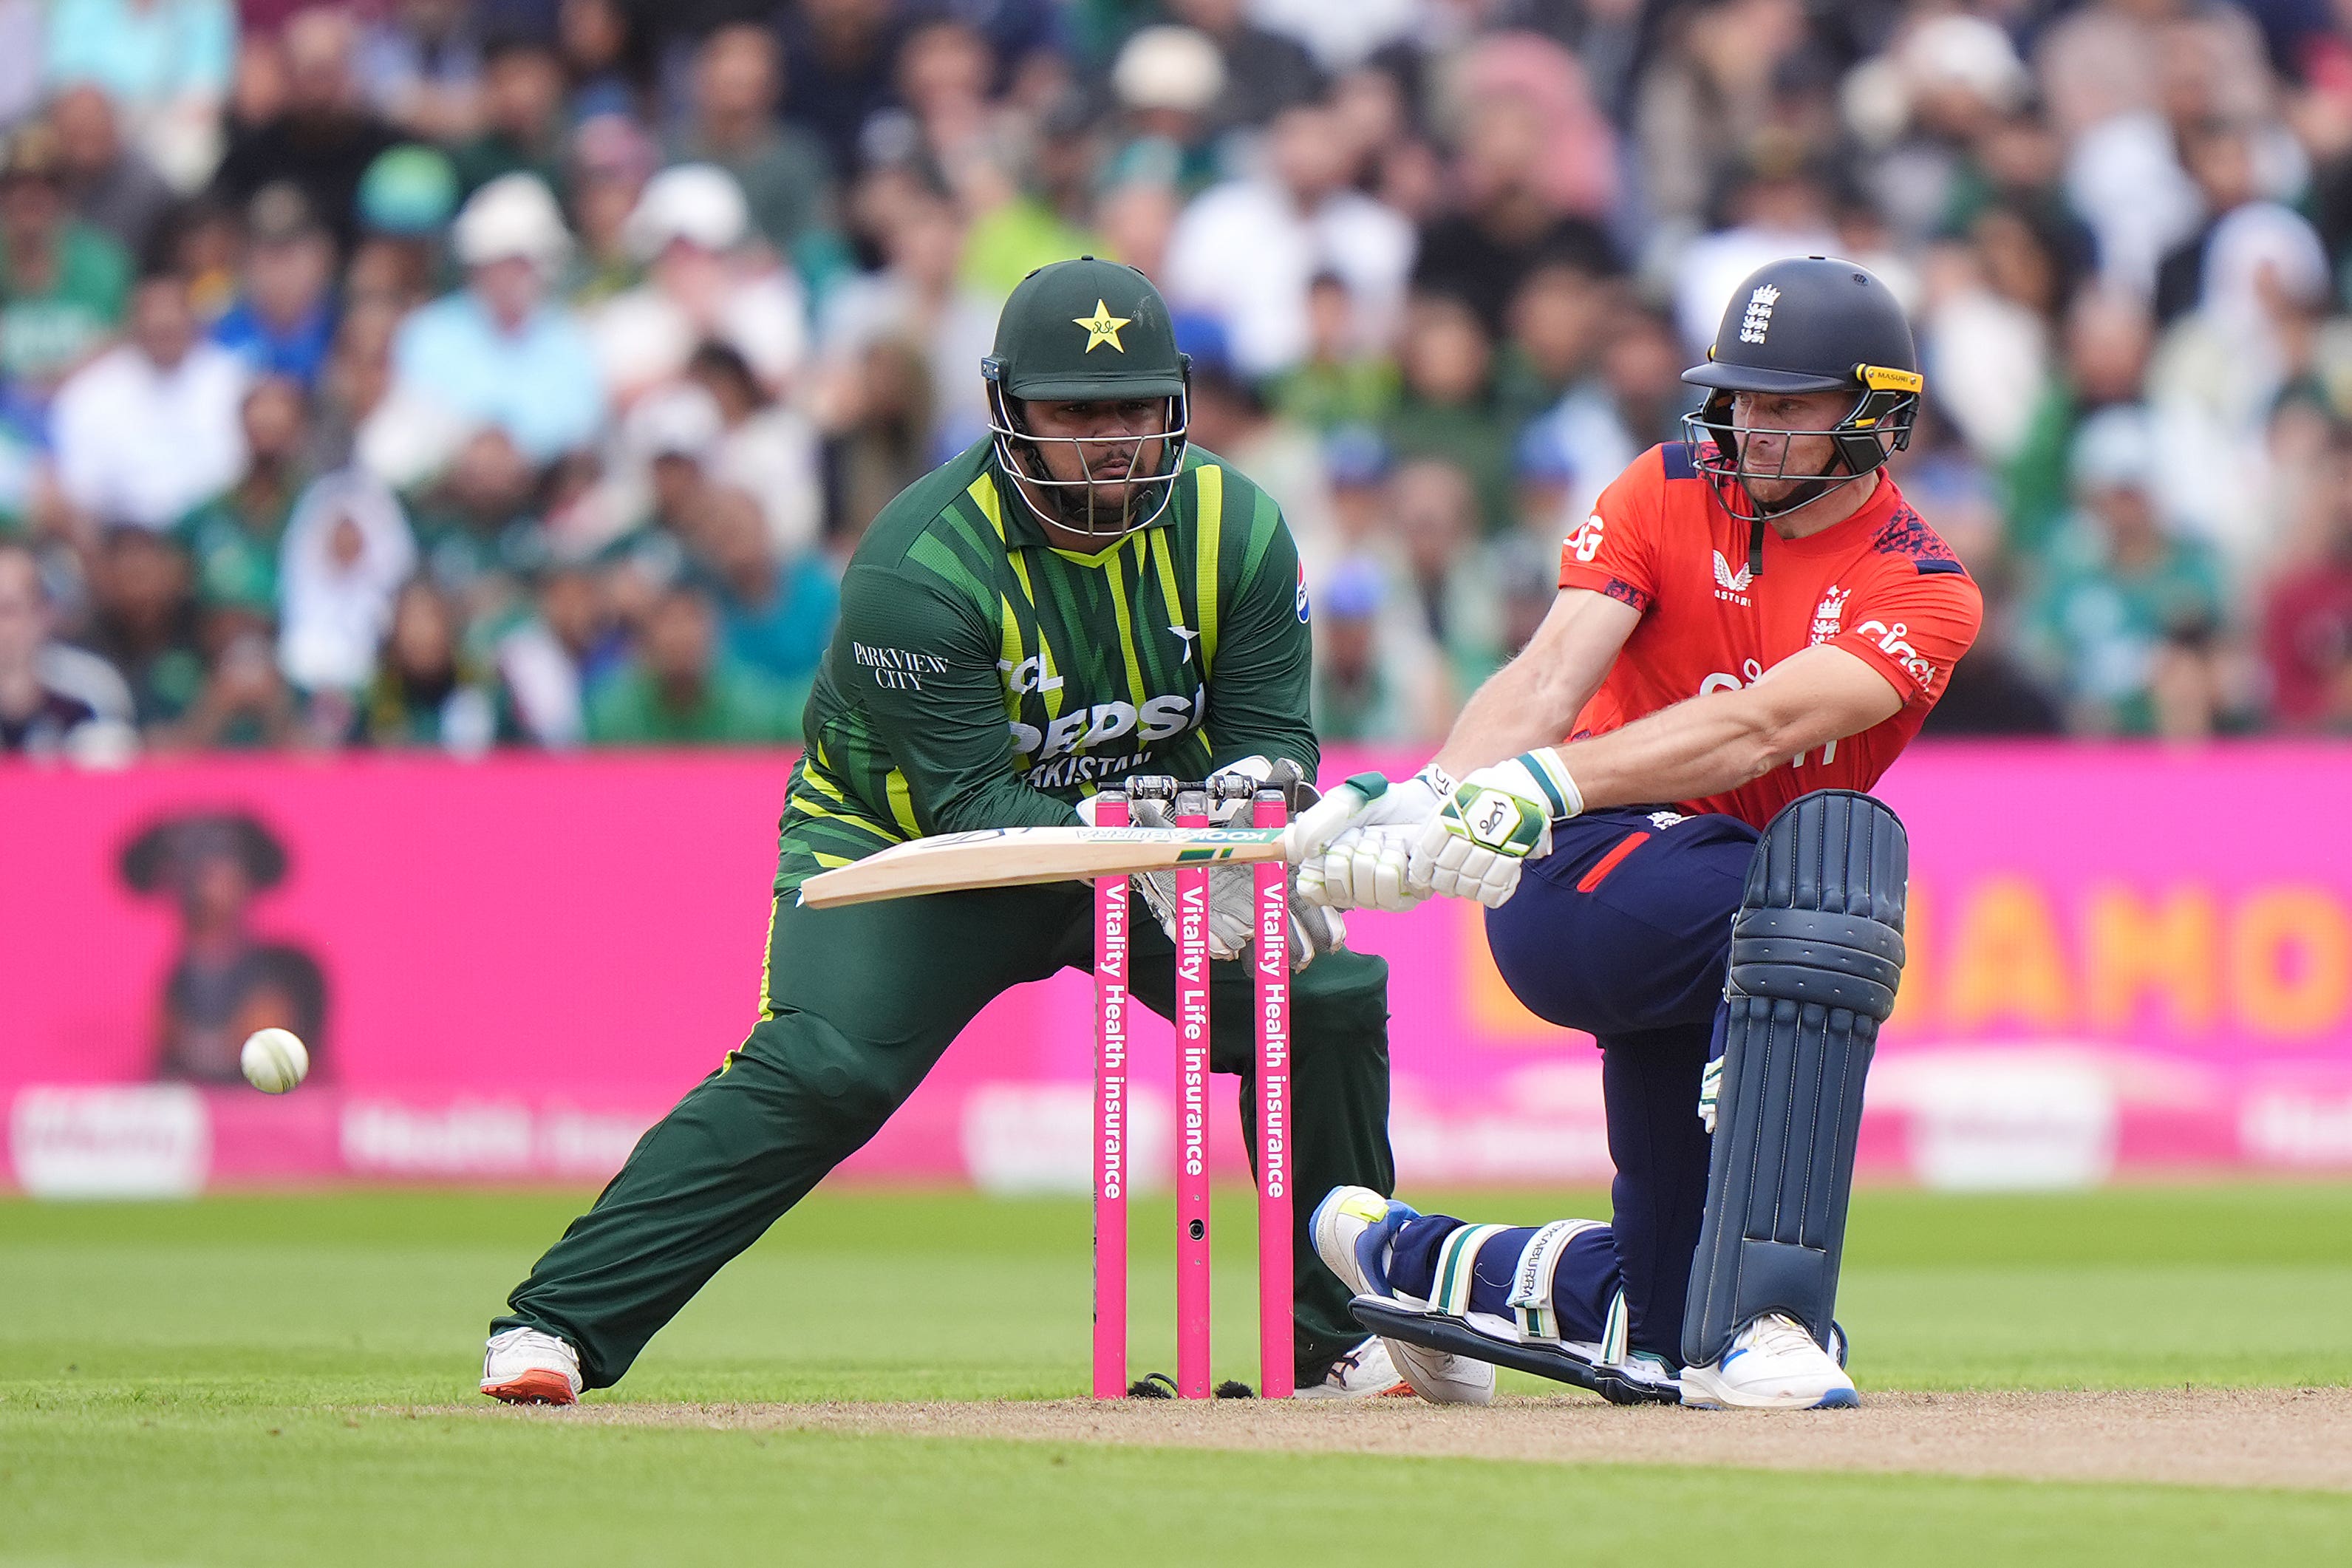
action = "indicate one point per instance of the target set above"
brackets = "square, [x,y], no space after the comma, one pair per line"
[1624,930]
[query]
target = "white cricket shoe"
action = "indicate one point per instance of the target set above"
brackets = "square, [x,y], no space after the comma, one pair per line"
[1354,1229]
[1772,1364]
[524,1366]
[1364,1373]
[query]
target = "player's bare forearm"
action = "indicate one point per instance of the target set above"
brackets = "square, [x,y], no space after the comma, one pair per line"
[1534,700]
[1718,742]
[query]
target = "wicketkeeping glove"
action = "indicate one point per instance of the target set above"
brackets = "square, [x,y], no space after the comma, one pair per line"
[1233,889]
[1496,820]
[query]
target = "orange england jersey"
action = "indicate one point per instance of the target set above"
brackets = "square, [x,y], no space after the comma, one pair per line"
[1881,585]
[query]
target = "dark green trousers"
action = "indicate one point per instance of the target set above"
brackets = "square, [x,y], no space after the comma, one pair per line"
[860,1002]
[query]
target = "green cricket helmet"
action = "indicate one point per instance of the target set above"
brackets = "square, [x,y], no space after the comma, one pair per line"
[1089,332]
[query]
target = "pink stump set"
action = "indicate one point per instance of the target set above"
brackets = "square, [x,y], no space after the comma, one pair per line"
[1270,1024]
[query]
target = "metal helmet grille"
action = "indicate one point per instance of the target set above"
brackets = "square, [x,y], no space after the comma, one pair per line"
[1080,506]
[1719,444]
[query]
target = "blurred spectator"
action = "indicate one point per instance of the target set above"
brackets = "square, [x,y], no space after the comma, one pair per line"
[522,114]
[612,159]
[283,323]
[165,64]
[1509,217]
[917,299]
[1339,380]
[883,440]
[142,621]
[479,536]
[2219,156]
[781,167]
[2107,338]
[113,186]
[322,136]
[1434,517]
[545,659]
[1168,81]
[765,447]
[231,539]
[1246,251]
[2116,585]
[1775,207]
[1036,205]
[346,553]
[603,58]
[840,59]
[1265,72]
[22,23]
[245,703]
[36,718]
[1557,313]
[149,429]
[704,281]
[2307,616]
[775,614]
[2218,371]
[421,68]
[425,692]
[497,351]
[1448,408]
[1378,680]
[681,690]
[63,284]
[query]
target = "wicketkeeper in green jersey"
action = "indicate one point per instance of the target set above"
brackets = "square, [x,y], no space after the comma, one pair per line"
[1081,597]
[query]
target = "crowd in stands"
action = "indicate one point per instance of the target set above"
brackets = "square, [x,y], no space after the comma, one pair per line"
[426,373]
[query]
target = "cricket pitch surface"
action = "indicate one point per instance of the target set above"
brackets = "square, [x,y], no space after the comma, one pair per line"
[2299,1438]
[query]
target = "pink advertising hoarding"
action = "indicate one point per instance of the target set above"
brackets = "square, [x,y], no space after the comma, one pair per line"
[2123,959]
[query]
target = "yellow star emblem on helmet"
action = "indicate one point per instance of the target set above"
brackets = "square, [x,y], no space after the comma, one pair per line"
[1102,327]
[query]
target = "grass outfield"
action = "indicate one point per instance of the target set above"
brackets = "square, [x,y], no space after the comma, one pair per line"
[227,1381]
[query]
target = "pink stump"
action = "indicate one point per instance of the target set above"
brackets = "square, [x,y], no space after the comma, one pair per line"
[1192,1112]
[1110,1119]
[1277,1378]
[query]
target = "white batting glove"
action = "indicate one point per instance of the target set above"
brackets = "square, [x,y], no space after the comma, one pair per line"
[1497,820]
[1365,869]
[1710,1090]
[1344,861]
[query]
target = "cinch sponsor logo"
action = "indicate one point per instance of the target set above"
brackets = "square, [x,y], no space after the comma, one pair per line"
[1891,643]
[899,668]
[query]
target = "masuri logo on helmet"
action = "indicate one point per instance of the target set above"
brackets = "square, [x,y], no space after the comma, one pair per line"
[1045,343]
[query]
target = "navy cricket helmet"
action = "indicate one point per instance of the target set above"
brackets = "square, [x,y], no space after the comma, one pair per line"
[1807,324]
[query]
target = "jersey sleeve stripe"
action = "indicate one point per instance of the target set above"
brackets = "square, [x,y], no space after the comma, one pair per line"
[1126,629]
[902,801]
[1209,482]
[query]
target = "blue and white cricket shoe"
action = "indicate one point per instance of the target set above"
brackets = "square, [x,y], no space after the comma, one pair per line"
[1772,1364]
[1354,1228]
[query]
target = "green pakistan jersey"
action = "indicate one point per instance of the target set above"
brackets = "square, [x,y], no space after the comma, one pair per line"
[980,677]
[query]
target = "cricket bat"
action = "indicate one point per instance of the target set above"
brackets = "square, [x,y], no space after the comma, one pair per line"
[1020,856]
